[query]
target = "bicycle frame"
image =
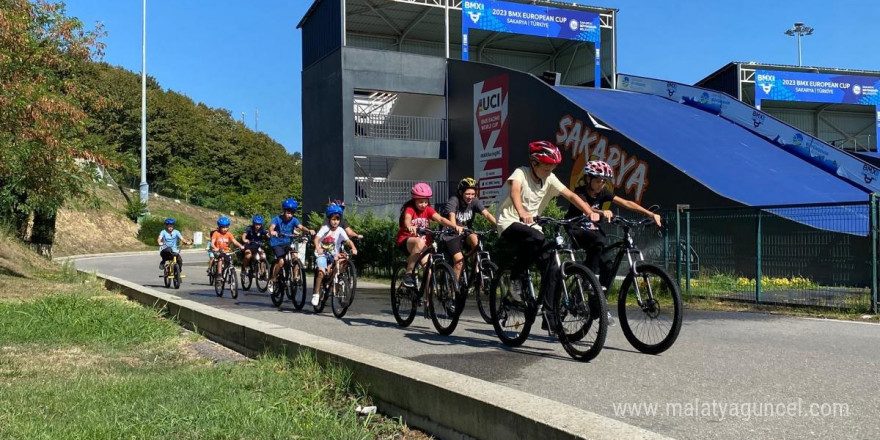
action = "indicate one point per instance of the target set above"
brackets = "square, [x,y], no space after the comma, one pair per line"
[626,247]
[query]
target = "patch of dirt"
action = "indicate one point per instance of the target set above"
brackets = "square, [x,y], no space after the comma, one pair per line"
[18,261]
[206,349]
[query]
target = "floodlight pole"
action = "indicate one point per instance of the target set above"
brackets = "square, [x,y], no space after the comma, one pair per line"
[800,30]
[145,187]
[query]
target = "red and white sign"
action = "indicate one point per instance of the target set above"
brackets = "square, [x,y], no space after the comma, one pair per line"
[490,136]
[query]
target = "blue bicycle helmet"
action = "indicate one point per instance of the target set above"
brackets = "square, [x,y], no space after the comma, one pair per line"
[290,204]
[169,221]
[334,209]
[258,220]
[223,222]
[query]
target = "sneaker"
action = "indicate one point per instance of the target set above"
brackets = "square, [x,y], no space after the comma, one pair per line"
[315,299]
[611,321]
[408,280]
[516,289]
[271,287]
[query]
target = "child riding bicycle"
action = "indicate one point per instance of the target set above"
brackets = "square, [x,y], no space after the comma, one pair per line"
[282,228]
[169,243]
[344,223]
[328,244]
[220,245]
[462,208]
[415,214]
[527,192]
[253,238]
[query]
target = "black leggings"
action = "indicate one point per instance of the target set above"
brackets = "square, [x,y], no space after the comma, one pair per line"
[592,241]
[167,254]
[528,245]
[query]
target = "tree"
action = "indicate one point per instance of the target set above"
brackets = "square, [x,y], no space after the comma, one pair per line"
[44,159]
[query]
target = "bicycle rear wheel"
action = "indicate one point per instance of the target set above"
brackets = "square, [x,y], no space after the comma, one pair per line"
[581,314]
[403,300]
[345,291]
[279,289]
[297,290]
[512,318]
[233,282]
[218,284]
[652,324]
[262,276]
[483,288]
[176,280]
[246,280]
[442,290]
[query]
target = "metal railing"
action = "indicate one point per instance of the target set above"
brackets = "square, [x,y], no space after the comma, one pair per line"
[373,191]
[414,128]
[821,255]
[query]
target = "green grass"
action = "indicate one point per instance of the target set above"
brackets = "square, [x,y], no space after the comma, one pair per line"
[89,365]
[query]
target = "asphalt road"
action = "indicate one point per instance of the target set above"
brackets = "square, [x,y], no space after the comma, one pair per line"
[729,375]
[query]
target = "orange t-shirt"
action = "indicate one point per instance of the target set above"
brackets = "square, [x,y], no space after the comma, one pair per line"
[221,241]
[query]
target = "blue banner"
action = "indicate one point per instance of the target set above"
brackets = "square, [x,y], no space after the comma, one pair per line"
[816,87]
[523,19]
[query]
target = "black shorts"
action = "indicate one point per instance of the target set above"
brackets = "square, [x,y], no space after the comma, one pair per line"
[454,245]
[402,247]
[281,250]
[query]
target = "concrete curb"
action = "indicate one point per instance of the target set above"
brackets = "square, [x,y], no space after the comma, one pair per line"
[447,404]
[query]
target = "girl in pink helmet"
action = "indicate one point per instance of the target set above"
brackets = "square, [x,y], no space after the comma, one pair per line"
[414,214]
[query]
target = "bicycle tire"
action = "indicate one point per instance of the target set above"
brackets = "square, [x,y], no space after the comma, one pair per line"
[211,275]
[166,275]
[344,296]
[246,280]
[662,308]
[233,283]
[296,290]
[483,288]
[581,314]
[511,319]
[176,280]
[442,298]
[403,306]
[262,276]
[218,286]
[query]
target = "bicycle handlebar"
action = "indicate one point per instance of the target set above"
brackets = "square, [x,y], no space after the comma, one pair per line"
[541,220]
[632,223]
[436,232]
[467,231]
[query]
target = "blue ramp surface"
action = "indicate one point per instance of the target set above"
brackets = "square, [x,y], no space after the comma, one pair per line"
[726,158]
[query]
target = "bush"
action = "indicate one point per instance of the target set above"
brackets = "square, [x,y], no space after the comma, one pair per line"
[134,209]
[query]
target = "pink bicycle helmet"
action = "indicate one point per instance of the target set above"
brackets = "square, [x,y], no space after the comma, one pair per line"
[545,152]
[597,168]
[421,191]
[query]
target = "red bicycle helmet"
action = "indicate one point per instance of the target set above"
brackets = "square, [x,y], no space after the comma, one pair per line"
[421,191]
[597,168]
[545,152]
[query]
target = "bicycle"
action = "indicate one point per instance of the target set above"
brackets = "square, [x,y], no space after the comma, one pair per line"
[257,270]
[227,278]
[171,272]
[649,302]
[478,276]
[337,285]
[286,284]
[580,316]
[439,281]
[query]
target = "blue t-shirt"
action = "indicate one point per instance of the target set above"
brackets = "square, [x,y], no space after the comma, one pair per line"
[256,237]
[171,240]
[282,228]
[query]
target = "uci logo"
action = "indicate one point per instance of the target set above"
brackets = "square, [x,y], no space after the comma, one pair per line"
[670,88]
[489,101]
[757,118]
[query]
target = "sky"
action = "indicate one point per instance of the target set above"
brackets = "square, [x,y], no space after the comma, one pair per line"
[245,56]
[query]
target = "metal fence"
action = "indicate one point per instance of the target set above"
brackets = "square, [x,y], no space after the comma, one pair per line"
[815,255]
[371,191]
[415,128]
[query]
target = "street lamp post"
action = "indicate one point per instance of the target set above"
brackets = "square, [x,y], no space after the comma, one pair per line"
[145,187]
[800,30]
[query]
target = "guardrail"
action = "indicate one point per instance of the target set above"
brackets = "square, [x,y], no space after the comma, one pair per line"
[414,128]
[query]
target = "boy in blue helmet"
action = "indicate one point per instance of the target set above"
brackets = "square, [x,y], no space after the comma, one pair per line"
[253,238]
[328,244]
[344,223]
[282,227]
[169,243]
[220,242]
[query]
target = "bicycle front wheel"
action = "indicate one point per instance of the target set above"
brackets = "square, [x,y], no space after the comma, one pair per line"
[403,300]
[483,288]
[297,287]
[246,279]
[345,291]
[232,282]
[279,289]
[322,290]
[581,314]
[166,274]
[176,280]
[441,298]
[262,276]
[512,317]
[218,284]
[651,324]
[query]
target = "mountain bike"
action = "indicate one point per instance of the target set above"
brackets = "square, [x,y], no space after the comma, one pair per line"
[437,281]
[648,300]
[579,317]
[228,278]
[171,272]
[477,277]
[258,269]
[337,285]
[291,280]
